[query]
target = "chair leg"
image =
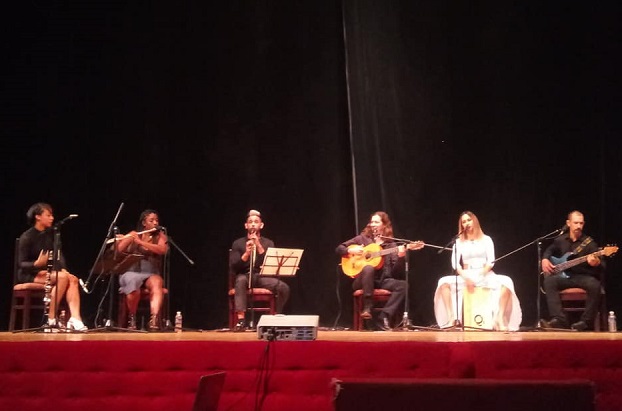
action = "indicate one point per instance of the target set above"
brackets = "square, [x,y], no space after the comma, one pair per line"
[13,313]
[356,318]
[122,311]
[26,311]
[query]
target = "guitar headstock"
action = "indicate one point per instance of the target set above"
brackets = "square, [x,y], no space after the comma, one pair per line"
[416,245]
[609,250]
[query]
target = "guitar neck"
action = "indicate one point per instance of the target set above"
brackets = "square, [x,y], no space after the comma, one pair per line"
[387,251]
[571,263]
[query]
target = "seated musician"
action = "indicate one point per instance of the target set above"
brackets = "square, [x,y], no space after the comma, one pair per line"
[34,246]
[585,275]
[381,275]
[250,250]
[472,259]
[151,243]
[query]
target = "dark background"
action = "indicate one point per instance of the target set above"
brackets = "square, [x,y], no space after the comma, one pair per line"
[317,114]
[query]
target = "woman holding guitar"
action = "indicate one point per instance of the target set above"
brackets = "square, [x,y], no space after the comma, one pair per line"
[472,259]
[375,263]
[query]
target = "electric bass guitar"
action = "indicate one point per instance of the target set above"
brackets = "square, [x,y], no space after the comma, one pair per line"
[353,264]
[562,263]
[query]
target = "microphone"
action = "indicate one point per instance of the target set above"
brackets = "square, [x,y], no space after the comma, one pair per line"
[453,241]
[84,286]
[160,228]
[69,217]
[563,229]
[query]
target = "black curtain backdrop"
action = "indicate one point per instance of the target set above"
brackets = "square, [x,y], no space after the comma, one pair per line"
[316,114]
[508,110]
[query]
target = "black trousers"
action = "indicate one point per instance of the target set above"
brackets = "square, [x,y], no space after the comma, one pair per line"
[553,284]
[367,281]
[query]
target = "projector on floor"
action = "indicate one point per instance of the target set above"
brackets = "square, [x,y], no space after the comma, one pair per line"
[288,327]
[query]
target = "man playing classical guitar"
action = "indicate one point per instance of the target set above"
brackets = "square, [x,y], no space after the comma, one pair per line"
[375,263]
[585,275]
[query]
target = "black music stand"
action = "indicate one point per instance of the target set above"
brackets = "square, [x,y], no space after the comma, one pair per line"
[114,263]
[279,262]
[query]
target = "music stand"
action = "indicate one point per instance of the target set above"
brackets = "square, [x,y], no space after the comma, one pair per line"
[280,262]
[114,263]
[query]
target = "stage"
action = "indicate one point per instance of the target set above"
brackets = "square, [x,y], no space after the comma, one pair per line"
[160,371]
[323,335]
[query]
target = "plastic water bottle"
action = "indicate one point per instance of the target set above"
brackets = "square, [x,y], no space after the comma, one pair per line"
[62,321]
[178,322]
[611,321]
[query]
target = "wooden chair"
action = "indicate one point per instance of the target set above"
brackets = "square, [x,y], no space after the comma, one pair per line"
[379,299]
[573,301]
[26,296]
[260,300]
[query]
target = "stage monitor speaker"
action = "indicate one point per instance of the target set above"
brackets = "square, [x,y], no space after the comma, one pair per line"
[367,394]
[288,327]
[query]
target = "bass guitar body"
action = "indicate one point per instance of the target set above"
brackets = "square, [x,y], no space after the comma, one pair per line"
[352,265]
[560,260]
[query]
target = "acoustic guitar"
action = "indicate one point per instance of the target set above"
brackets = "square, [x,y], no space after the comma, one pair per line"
[353,264]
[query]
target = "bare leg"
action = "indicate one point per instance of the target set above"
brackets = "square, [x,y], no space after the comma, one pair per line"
[131,301]
[504,299]
[154,285]
[445,291]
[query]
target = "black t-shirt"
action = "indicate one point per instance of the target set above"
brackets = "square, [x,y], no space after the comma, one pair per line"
[31,243]
[563,245]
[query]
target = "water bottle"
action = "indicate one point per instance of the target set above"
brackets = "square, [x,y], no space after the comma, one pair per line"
[62,321]
[178,322]
[611,321]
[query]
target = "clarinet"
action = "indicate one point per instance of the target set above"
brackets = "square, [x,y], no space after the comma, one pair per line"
[47,298]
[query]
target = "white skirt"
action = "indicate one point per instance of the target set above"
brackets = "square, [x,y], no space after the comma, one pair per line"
[513,313]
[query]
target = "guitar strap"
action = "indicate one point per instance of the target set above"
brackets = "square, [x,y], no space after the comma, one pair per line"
[581,246]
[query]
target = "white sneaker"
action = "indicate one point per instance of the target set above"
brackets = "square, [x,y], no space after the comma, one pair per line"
[77,325]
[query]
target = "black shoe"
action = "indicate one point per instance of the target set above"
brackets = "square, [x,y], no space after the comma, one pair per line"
[554,323]
[239,326]
[383,322]
[580,326]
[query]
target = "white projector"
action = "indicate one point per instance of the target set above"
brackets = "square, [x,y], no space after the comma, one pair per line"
[288,327]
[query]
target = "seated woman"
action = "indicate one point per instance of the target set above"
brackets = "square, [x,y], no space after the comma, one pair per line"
[472,259]
[152,244]
[34,246]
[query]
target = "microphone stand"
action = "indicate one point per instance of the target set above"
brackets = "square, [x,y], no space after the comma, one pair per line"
[458,322]
[538,242]
[110,236]
[405,324]
[166,273]
[250,284]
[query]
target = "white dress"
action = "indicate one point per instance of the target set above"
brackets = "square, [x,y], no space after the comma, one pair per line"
[475,254]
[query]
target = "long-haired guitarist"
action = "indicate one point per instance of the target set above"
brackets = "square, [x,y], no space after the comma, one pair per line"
[571,245]
[374,263]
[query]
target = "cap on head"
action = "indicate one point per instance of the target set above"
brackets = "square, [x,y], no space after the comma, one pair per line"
[252,213]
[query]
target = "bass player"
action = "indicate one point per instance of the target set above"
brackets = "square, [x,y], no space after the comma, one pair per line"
[585,275]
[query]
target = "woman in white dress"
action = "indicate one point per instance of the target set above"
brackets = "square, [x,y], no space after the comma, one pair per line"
[472,259]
